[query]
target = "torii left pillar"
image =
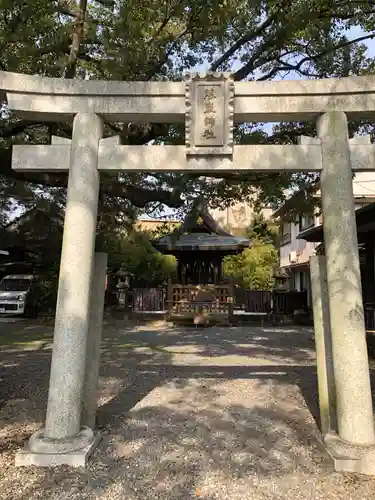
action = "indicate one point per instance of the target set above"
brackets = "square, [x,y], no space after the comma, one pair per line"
[64,440]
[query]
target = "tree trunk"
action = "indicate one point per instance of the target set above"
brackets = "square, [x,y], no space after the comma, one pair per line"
[77,36]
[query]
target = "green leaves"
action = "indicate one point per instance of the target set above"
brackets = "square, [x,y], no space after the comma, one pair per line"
[254,267]
[135,256]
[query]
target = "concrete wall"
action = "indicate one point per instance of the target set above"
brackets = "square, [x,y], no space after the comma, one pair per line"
[155,224]
[304,249]
[295,254]
[363,187]
[238,216]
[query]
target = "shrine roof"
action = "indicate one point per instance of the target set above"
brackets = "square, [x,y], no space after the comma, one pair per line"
[202,241]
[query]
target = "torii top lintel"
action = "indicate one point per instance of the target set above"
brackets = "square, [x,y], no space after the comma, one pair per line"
[36,97]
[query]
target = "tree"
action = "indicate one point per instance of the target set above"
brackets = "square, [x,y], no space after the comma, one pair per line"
[264,230]
[254,267]
[134,256]
[118,39]
[39,231]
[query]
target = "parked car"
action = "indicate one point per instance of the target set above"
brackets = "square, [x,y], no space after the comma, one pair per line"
[14,294]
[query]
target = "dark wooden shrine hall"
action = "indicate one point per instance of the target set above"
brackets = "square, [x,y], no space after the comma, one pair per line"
[200,246]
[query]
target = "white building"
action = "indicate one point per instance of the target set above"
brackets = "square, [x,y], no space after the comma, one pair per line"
[295,253]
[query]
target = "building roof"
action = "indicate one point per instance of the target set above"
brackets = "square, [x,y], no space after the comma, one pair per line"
[200,231]
[365,220]
[297,199]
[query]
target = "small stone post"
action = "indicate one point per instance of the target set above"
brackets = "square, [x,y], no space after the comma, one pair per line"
[169,299]
[323,344]
[93,340]
[72,310]
[351,368]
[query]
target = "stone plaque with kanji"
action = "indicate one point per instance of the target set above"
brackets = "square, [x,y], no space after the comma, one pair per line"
[209,114]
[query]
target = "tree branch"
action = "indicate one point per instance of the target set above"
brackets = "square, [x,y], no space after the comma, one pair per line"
[18,127]
[241,42]
[156,67]
[277,41]
[286,66]
[78,30]
[138,196]
[107,3]
[64,47]
[168,17]
[65,11]
[263,48]
[340,45]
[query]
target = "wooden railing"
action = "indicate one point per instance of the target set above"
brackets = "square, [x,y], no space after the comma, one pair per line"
[200,299]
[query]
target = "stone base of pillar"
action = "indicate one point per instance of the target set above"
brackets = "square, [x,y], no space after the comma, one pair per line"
[46,452]
[348,457]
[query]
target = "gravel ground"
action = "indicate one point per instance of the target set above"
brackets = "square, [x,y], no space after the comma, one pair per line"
[216,413]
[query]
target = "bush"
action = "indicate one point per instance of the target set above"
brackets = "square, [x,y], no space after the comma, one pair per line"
[42,297]
[135,256]
[254,267]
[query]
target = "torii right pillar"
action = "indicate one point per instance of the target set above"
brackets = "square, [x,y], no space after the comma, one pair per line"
[351,368]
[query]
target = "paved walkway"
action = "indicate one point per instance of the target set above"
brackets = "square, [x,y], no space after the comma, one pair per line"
[217,413]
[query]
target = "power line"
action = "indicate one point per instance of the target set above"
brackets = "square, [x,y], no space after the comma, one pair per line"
[364,187]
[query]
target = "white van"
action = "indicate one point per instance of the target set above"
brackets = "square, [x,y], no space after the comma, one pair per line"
[14,289]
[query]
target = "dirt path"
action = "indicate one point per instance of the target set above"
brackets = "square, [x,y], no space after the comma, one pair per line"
[218,413]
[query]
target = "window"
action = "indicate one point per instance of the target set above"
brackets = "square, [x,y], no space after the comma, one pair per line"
[295,281]
[300,281]
[306,221]
[302,284]
[15,285]
[286,235]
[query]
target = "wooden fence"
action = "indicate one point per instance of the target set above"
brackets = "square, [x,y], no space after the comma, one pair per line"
[147,300]
[265,301]
[216,299]
[222,300]
[288,302]
[369,310]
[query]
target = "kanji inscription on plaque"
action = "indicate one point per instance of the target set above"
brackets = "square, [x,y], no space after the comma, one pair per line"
[209,114]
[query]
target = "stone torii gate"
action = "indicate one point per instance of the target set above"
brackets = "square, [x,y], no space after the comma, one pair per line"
[209,104]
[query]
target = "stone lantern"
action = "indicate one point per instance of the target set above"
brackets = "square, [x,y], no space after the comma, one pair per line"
[282,277]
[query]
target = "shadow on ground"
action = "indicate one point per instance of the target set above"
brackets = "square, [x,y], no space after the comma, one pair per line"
[250,341]
[240,426]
